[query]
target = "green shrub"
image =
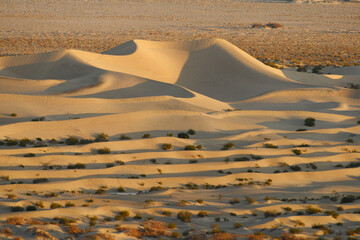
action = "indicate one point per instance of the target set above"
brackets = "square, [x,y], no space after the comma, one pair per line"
[17,209]
[138,216]
[104,150]
[193,161]
[167,146]
[333,214]
[121,189]
[200,201]
[11,142]
[124,137]
[31,208]
[312,210]
[237,225]
[296,151]
[55,205]
[190,147]
[184,216]
[124,213]
[191,132]
[24,141]
[228,146]
[202,214]
[172,225]
[348,199]
[249,199]
[350,140]
[13,115]
[40,204]
[72,140]
[146,135]
[69,204]
[92,221]
[295,230]
[109,165]
[183,135]
[29,155]
[102,137]
[301,69]
[166,213]
[310,122]
[295,168]
[86,141]
[175,235]
[353,165]
[40,180]
[234,201]
[76,166]
[270,145]
[241,159]
[271,213]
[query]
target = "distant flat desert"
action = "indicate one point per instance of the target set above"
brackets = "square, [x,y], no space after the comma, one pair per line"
[184,135]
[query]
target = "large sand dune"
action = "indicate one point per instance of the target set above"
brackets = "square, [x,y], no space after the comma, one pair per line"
[162,89]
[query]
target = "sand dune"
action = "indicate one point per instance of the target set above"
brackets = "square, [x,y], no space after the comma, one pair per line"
[277,176]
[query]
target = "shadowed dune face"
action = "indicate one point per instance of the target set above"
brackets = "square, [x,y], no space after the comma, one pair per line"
[149,130]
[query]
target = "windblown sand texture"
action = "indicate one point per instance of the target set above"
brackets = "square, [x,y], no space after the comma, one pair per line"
[163,88]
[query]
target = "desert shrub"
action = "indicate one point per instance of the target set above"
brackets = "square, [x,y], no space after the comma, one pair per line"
[228,146]
[271,213]
[257,25]
[37,119]
[311,165]
[69,204]
[353,165]
[310,122]
[249,199]
[55,205]
[193,161]
[51,194]
[31,208]
[348,199]
[234,201]
[146,135]
[153,161]
[13,114]
[104,150]
[121,189]
[29,155]
[316,69]
[270,145]
[17,209]
[350,140]
[40,180]
[301,69]
[191,132]
[241,159]
[295,168]
[274,25]
[175,235]
[166,213]
[40,204]
[190,147]
[333,214]
[72,140]
[183,135]
[119,162]
[312,210]
[24,141]
[86,141]
[288,209]
[295,230]
[169,134]
[109,165]
[167,146]
[93,221]
[301,130]
[202,214]
[102,137]
[298,222]
[124,213]
[12,196]
[237,225]
[100,191]
[200,201]
[184,216]
[76,166]
[124,137]
[296,151]
[138,216]
[11,142]
[172,225]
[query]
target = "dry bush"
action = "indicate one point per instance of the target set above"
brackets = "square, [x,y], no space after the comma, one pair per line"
[73,229]
[7,232]
[15,220]
[132,232]
[155,229]
[100,236]
[223,236]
